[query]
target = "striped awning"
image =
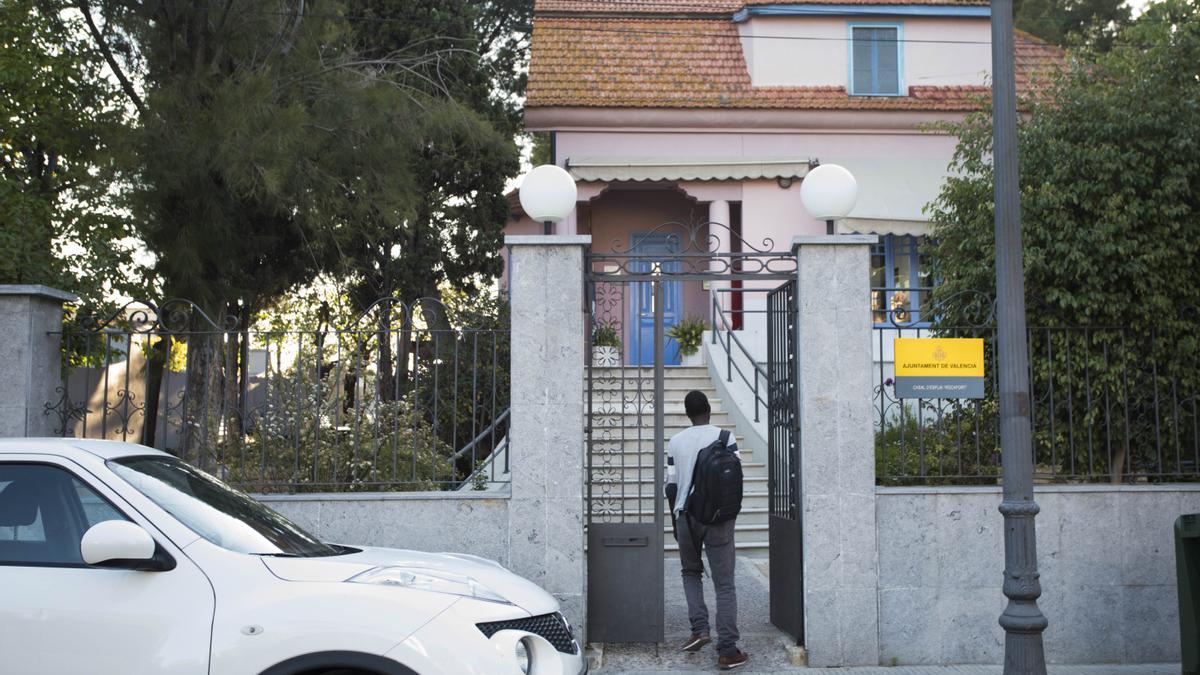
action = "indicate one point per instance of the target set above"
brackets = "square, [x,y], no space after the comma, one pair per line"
[612,169]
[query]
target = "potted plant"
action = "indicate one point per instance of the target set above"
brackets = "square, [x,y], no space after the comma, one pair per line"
[606,346]
[689,333]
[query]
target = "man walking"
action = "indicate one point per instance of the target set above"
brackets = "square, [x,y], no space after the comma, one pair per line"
[693,536]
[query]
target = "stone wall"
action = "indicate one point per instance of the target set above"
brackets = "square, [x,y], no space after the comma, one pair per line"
[451,522]
[1106,556]
[837,475]
[30,338]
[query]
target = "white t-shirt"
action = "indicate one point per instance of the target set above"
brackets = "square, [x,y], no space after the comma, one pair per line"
[682,451]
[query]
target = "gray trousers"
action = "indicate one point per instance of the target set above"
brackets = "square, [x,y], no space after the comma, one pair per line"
[717,541]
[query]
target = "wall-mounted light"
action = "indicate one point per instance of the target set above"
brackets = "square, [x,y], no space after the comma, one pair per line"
[785,182]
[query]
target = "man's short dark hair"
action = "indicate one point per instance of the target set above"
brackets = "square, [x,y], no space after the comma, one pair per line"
[695,404]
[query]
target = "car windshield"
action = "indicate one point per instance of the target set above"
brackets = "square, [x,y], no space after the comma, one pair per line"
[226,517]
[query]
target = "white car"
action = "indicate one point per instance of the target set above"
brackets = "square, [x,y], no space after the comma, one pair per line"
[115,558]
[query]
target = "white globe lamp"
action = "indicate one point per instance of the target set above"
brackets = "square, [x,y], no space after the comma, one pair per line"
[548,194]
[829,192]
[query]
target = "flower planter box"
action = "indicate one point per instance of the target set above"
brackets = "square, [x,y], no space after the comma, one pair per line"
[606,357]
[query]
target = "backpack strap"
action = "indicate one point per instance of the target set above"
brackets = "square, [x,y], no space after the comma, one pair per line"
[724,438]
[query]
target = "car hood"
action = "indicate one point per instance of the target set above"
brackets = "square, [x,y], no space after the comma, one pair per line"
[517,590]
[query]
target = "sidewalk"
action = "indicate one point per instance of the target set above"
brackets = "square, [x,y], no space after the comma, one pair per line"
[765,643]
[1157,669]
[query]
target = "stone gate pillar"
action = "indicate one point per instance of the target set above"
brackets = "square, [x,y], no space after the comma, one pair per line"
[837,450]
[546,508]
[31,354]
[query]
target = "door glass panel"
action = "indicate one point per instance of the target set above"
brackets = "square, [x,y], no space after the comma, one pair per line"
[96,509]
[44,511]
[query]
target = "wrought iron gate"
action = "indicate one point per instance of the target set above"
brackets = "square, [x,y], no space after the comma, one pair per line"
[629,289]
[783,491]
[625,466]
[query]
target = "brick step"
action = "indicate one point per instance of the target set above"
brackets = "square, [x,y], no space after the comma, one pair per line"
[644,502]
[635,457]
[643,446]
[631,402]
[678,386]
[748,480]
[669,372]
[750,515]
[645,420]
[669,430]
[635,469]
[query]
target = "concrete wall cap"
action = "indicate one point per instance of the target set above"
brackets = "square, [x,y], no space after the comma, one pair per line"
[434,496]
[38,290]
[1037,489]
[548,240]
[832,239]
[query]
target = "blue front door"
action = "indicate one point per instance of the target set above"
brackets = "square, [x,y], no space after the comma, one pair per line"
[642,307]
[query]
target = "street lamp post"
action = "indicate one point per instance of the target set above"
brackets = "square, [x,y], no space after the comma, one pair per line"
[829,192]
[548,194]
[1022,620]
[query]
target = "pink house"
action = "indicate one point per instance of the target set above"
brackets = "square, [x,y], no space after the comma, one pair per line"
[698,111]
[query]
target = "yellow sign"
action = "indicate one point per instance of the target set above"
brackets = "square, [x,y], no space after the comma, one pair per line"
[939,357]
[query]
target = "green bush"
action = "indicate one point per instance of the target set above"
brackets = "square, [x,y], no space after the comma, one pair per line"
[375,446]
[950,444]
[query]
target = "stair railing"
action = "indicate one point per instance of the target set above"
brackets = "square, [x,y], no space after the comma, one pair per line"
[724,336]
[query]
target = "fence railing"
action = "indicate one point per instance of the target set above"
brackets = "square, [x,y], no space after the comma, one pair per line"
[1107,404]
[404,398]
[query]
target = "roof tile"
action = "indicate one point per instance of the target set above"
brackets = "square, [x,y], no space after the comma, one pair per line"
[631,7]
[698,63]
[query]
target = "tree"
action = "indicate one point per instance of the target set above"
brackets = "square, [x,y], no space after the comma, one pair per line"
[455,231]
[1064,22]
[1110,161]
[60,217]
[266,146]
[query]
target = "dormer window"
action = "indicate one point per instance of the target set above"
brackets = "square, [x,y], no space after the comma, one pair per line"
[874,60]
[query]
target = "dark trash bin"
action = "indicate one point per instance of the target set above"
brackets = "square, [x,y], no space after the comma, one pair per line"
[1187,560]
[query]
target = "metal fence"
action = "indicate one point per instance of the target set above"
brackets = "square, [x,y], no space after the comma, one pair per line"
[403,398]
[1107,404]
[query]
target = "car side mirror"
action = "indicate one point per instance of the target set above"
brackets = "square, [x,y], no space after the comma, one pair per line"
[119,544]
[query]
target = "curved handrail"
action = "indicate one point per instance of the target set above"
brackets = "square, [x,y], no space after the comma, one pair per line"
[731,364]
[482,435]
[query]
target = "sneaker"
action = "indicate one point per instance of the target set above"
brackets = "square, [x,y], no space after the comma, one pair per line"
[730,662]
[696,643]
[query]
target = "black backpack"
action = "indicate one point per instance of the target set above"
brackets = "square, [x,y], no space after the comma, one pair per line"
[716,495]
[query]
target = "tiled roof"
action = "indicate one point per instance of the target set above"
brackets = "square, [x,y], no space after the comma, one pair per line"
[698,63]
[727,7]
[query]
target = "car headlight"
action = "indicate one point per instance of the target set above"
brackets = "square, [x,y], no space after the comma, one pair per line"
[437,581]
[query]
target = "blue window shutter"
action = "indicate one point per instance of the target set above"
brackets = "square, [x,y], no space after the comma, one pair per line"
[876,60]
[887,76]
[864,82]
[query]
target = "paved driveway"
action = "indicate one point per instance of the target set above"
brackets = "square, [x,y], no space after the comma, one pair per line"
[766,644]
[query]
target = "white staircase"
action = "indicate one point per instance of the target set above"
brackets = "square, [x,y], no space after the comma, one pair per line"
[628,441]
